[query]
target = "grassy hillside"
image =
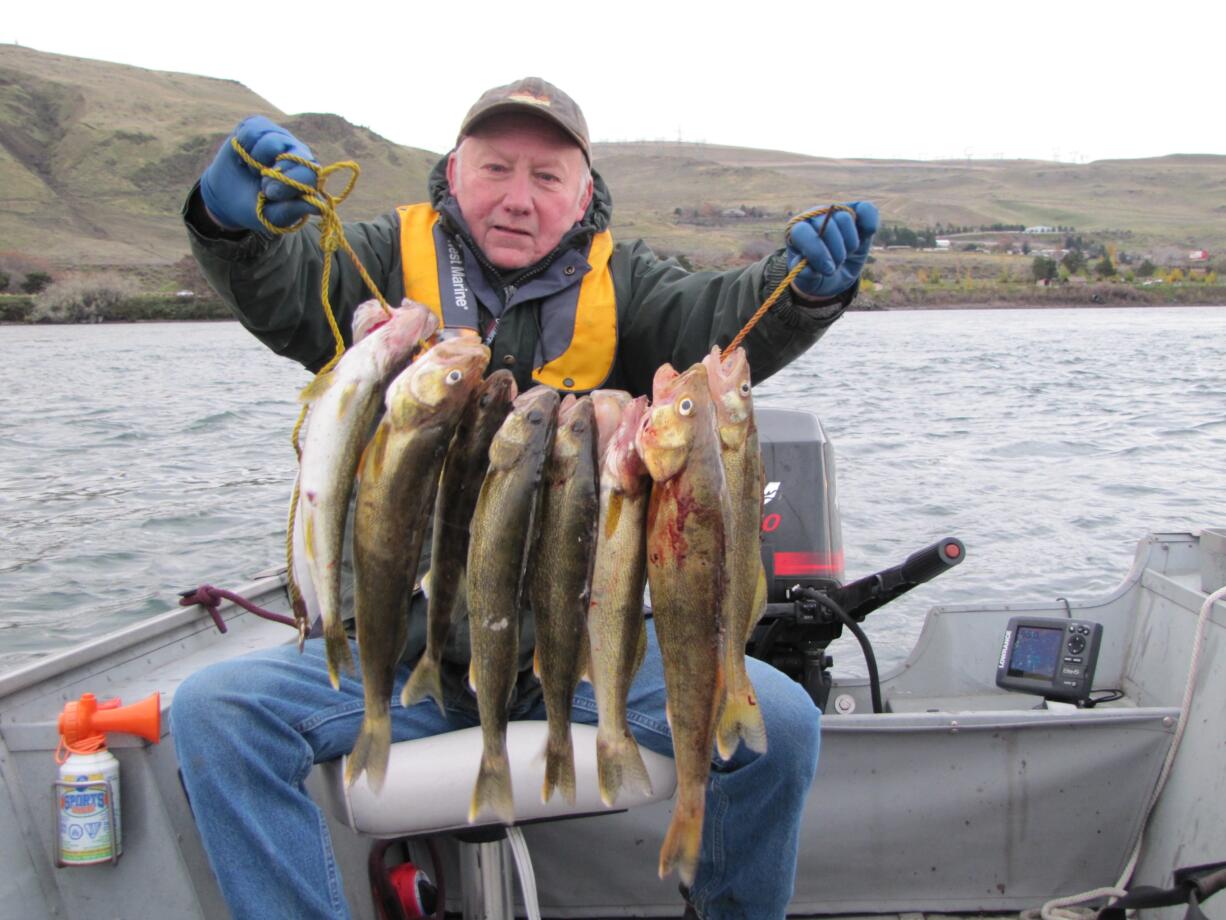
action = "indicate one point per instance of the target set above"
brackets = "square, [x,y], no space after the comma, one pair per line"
[95,159]
[1175,202]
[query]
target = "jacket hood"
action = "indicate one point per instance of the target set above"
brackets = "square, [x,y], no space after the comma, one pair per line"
[598,216]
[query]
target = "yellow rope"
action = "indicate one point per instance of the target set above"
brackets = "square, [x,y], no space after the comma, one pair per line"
[789,278]
[331,238]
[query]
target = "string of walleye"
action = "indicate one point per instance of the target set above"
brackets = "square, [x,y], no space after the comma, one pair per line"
[564,506]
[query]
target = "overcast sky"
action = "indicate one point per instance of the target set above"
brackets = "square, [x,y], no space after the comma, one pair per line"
[1069,80]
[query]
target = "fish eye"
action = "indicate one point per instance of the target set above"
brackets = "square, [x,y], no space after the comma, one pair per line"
[745,388]
[484,400]
[535,416]
[686,406]
[578,427]
[453,377]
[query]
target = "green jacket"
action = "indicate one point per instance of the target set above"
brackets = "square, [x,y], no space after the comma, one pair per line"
[665,314]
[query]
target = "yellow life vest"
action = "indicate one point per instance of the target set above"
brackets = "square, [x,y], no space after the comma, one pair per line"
[433,265]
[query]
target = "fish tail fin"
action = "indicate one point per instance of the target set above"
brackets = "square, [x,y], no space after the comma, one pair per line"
[683,842]
[585,669]
[741,719]
[302,617]
[336,648]
[493,789]
[559,766]
[425,681]
[371,751]
[620,763]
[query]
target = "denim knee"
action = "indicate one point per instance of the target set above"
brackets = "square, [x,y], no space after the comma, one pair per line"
[804,735]
[793,723]
[193,702]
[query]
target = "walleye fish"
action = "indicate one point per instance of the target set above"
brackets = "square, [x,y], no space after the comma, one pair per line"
[616,628]
[463,472]
[367,316]
[560,581]
[397,481]
[344,403]
[686,567]
[501,532]
[732,397]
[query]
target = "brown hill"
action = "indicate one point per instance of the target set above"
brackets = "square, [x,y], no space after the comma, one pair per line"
[95,159]
[1173,202]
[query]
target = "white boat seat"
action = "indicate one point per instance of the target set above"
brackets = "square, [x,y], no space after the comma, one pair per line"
[430,783]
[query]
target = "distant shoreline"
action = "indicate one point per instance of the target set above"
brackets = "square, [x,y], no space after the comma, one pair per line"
[857,307]
[1029,297]
[1003,305]
[19,310]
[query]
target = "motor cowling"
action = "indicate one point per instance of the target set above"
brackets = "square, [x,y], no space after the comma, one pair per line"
[802,536]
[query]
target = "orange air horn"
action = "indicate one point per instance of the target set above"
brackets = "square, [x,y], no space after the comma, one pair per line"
[85,723]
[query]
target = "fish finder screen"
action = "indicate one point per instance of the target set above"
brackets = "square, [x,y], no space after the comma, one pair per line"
[1036,652]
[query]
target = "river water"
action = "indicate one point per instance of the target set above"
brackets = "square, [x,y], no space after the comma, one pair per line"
[139,460]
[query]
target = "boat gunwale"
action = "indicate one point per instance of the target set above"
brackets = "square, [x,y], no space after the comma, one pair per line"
[126,637]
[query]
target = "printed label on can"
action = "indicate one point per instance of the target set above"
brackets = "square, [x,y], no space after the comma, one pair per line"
[88,818]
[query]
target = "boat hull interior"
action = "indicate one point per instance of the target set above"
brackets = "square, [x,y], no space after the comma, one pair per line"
[959,797]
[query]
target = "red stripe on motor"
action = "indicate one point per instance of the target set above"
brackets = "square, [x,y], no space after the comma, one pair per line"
[801,564]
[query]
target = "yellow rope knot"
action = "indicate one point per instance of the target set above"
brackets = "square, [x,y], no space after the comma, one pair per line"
[790,277]
[331,230]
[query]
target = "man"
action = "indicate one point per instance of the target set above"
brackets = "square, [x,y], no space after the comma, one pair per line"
[514,245]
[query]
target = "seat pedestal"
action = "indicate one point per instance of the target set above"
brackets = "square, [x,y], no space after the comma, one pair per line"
[429,786]
[485,879]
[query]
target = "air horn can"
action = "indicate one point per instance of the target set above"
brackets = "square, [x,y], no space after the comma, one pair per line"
[88,815]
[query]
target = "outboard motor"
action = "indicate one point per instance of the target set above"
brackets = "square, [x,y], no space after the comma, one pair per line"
[802,538]
[802,551]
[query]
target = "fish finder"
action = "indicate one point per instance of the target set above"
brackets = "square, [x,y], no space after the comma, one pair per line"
[1050,656]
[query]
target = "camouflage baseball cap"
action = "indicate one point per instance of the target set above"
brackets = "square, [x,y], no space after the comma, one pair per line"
[536,97]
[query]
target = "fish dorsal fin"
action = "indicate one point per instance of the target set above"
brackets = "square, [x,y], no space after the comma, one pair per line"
[316,388]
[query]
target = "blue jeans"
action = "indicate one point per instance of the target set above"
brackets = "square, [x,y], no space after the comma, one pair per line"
[247,732]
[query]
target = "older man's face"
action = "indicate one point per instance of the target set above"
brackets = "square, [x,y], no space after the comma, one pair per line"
[521,184]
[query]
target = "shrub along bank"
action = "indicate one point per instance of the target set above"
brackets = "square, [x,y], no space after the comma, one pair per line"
[929,297]
[149,308]
[139,308]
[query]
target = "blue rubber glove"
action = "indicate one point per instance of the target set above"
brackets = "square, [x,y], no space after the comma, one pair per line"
[837,257]
[230,187]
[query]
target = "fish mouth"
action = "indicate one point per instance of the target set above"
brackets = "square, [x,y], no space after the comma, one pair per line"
[572,408]
[722,372]
[623,444]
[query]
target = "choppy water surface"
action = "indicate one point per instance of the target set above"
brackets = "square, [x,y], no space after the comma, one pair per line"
[136,461]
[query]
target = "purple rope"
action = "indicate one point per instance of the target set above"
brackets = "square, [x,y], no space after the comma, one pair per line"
[210,598]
